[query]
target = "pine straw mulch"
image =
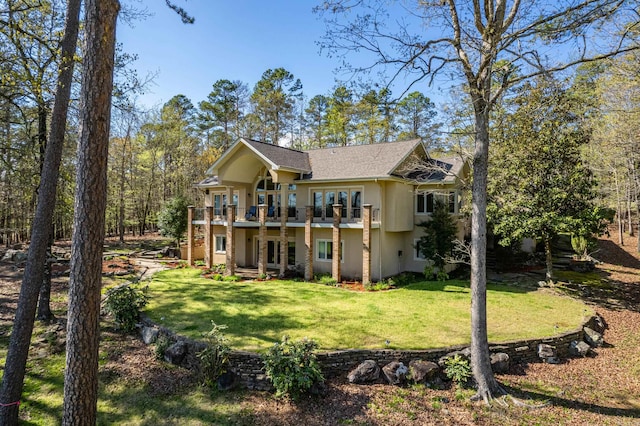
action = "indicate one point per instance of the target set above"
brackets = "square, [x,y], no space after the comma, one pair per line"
[600,389]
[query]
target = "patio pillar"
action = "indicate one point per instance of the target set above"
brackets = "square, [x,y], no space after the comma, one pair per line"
[229,198]
[284,238]
[208,236]
[262,240]
[335,256]
[230,249]
[308,244]
[366,244]
[190,210]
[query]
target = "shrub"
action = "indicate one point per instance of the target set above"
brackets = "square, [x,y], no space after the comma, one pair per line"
[232,278]
[380,285]
[124,303]
[292,367]
[162,344]
[215,356]
[172,219]
[326,279]
[458,369]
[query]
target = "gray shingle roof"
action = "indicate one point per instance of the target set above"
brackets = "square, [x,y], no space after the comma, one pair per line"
[359,161]
[281,157]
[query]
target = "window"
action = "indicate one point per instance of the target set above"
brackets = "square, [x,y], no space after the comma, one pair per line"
[425,201]
[417,254]
[350,199]
[221,244]
[324,250]
[291,253]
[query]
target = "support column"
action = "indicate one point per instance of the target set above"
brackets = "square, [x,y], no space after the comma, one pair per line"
[308,244]
[262,240]
[335,255]
[230,249]
[190,210]
[366,244]
[284,238]
[229,198]
[208,236]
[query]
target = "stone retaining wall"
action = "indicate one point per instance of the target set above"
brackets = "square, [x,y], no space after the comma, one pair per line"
[248,366]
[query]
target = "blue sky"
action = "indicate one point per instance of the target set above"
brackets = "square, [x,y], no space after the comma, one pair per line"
[235,40]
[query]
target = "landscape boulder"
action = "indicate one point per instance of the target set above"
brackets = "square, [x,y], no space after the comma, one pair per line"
[149,334]
[176,353]
[592,337]
[548,354]
[425,372]
[395,372]
[500,362]
[367,372]
[579,348]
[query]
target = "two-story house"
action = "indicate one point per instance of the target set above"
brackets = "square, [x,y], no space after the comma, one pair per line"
[350,211]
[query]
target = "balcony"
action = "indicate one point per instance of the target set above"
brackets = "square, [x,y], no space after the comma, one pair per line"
[295,215]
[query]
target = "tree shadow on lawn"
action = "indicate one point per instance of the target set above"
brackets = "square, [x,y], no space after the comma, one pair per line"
[458,286]
[540,395]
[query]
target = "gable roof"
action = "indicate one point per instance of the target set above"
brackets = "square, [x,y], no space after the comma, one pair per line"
[278,157]
[360,161]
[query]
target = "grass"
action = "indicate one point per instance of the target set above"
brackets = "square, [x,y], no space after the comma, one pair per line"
[417,316]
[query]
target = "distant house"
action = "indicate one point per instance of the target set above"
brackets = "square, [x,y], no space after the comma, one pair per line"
[349,211]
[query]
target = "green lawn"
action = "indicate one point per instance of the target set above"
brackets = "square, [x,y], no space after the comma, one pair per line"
[418,316]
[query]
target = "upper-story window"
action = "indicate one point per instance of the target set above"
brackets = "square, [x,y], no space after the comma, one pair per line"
[268,192]
[425,201]
[350,199]
[220,203]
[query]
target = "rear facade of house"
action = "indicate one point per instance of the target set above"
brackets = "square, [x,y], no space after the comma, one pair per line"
[351,212]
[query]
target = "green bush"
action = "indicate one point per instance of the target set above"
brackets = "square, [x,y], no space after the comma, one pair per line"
[292,367]
[326,279]
[458,369]
[162,344]
[232,278]
[172,219]
[215,356]
[380,285]
[124,303]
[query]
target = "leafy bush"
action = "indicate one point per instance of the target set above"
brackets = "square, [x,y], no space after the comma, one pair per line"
[458,369]
[326,279]
[172,219]
[232,278]
[215,356]
[380,285]
[124,303]
[162,344]
[292,367]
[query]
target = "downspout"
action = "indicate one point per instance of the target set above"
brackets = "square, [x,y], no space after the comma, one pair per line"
[380,230]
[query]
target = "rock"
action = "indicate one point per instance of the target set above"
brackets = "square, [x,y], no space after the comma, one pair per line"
[13,255]
[424,372]
[579,348]
[599,324]
[367,372]
[500,362]
[582,266]
[149,335]
[395,372]
[592,337]
[176,353]
[546,351]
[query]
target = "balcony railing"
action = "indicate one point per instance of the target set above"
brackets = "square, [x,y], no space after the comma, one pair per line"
[294,214]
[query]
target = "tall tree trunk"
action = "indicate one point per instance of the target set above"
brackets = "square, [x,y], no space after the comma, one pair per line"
[44,301]
[480,357]
[15,365]
[83,327]
[549,260]
[619,209]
